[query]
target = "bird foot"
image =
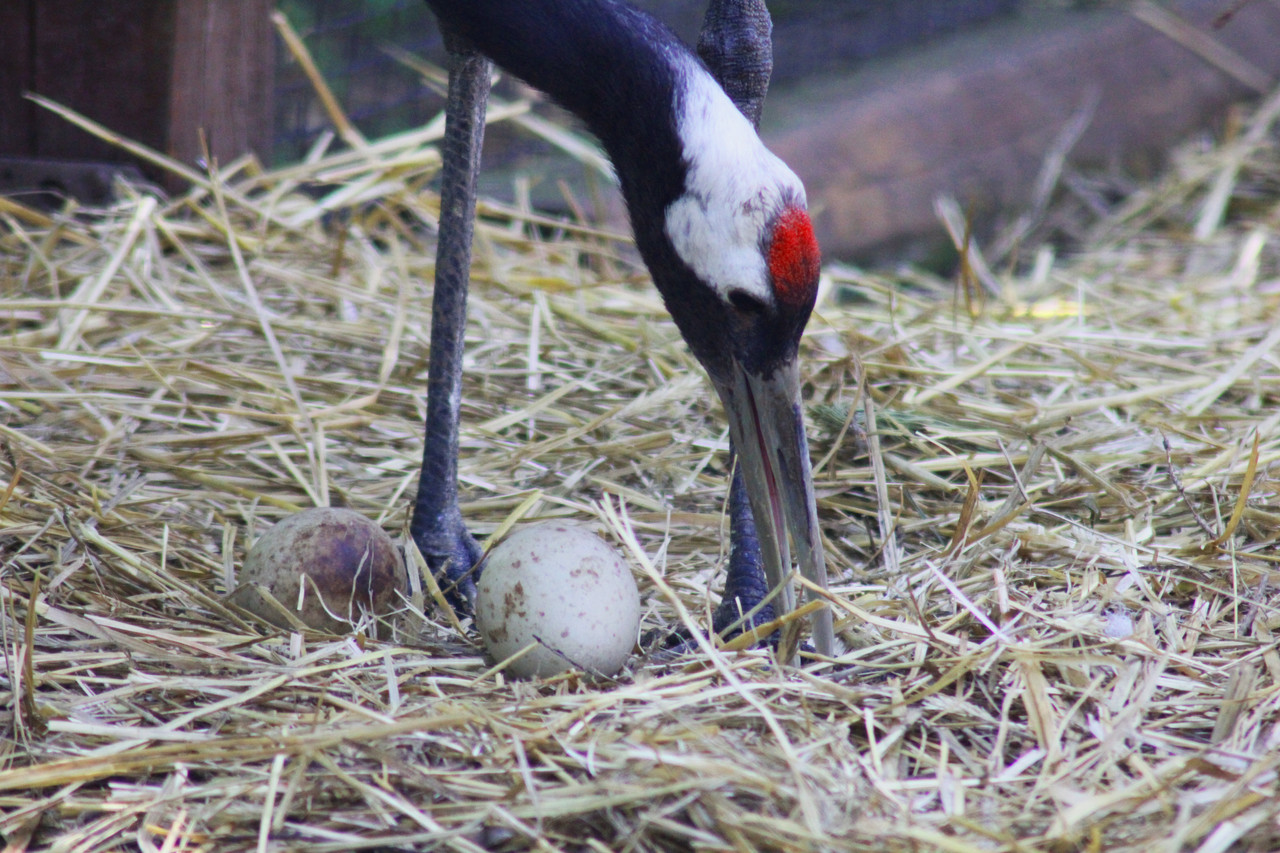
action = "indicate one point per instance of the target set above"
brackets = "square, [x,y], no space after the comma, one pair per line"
[455,560]
[734,616]
[740,610]
[726,623]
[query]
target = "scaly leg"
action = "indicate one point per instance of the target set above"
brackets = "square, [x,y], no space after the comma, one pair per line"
[437,526]
[736,43]
[745,585]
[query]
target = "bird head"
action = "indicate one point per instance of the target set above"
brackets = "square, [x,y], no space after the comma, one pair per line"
[748,282]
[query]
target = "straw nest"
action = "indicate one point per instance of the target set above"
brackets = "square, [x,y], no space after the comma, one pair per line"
[1053,556]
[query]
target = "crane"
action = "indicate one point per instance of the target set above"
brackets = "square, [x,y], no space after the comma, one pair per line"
[720,222]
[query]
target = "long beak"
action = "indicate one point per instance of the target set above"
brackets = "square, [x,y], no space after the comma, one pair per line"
[767,427]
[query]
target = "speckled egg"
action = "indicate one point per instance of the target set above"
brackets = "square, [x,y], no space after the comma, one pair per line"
[346,558]
[564,588]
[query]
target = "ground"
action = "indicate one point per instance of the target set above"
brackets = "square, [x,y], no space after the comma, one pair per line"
[1052,557]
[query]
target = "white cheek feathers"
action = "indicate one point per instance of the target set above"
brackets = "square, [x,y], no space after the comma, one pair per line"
[734,190]
[564,591]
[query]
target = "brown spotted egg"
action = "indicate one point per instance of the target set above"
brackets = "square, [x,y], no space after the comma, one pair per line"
[326,566]
[565,591]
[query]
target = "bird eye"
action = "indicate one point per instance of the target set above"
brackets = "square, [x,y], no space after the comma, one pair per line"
[746,303]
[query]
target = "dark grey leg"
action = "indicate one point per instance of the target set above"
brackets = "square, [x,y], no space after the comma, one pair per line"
[437,526]
[745,585]
[736,43]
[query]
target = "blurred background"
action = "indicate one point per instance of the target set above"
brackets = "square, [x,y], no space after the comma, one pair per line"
[883,108]
[348,37]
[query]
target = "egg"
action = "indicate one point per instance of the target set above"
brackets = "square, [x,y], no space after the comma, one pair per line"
[350,566]
[563,588]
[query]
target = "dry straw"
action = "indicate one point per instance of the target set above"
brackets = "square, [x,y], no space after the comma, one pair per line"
[1053,576]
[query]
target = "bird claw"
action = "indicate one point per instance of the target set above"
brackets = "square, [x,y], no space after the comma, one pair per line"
[734,616]
[456,567]
[724,625]
[727,623]
[731,619]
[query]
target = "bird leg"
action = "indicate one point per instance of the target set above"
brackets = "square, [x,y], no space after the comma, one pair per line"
[744,586]
[437,526]
[736,43]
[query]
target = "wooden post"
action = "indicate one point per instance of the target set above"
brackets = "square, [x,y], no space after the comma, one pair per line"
[222,80]
[156,71]
[16,114]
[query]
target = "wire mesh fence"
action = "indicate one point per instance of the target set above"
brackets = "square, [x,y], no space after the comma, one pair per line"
[348,39]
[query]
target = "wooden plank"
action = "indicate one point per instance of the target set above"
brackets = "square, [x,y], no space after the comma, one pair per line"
[222,79]
[107,59]
[16,113]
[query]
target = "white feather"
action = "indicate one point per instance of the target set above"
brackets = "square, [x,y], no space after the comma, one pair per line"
[734,189]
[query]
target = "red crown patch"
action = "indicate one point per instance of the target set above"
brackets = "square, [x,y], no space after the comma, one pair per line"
[794,259]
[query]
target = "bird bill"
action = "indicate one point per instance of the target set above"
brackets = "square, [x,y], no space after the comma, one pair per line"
[767,426]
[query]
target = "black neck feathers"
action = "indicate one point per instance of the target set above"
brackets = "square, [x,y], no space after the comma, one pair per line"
[618,69]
